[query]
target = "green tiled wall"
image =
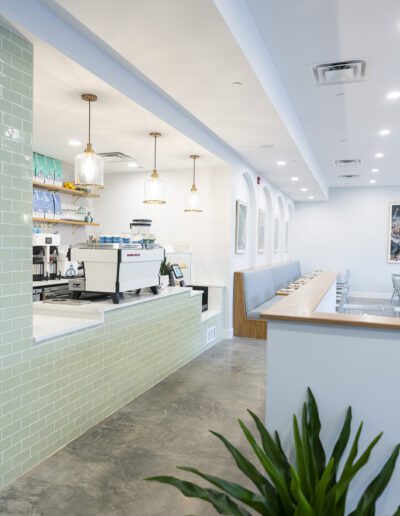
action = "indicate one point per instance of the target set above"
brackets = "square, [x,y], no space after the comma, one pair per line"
[52,392]
[15,241]
[63,387]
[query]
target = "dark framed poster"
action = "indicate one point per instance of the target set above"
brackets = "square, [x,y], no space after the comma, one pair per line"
[394,233]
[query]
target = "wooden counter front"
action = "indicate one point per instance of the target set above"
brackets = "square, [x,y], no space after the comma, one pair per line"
[301,304]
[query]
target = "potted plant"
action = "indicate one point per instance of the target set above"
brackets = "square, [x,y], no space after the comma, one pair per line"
[313,486]
[165,268]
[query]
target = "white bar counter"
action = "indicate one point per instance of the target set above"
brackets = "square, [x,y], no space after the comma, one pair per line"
[51,320]
[346,360]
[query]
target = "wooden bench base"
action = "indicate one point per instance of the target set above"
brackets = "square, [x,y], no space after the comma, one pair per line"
[243,327]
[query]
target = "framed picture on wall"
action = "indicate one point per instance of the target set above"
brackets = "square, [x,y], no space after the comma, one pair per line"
[261,231]
[276,234]
[241,227]
[286,237]
[394,233]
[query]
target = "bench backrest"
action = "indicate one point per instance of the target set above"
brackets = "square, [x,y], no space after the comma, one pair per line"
[260,284]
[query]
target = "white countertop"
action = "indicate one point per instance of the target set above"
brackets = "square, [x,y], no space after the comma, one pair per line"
[52,320]
[50,283]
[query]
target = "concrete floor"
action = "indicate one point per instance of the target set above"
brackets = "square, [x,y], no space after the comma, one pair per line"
[101,473]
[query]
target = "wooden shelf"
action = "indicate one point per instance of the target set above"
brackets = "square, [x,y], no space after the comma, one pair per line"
[63,190]
[67,222]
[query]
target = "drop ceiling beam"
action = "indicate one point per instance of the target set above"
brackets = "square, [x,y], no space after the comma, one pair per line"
[244,29]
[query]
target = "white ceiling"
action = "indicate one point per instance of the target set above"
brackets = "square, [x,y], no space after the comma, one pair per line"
[185,47]
[118,124]
[306,32]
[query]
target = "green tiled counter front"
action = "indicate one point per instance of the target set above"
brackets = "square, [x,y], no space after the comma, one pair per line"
[62,387]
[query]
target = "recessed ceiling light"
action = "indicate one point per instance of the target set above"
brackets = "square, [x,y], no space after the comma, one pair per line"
[304,189]
[267,146]
[372,181]
[237,83]
[281,163]
[393,95]
[384,132]
[294,178]
[378,155]
[74,143]
[374,170]
[132,164]
[311,197]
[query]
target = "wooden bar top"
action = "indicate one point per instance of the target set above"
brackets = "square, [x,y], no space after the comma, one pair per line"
[300,305]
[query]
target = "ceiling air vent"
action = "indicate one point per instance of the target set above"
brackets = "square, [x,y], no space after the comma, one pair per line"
[113,157]
[347,163]
[340,72]
[347,177]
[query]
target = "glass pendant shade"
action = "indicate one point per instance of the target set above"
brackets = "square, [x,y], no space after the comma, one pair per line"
[89,169]
[193,201]
[154,192]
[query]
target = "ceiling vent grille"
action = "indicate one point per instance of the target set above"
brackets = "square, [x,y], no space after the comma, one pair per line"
[347,163]
[113,157]
[349,177]
[340,72]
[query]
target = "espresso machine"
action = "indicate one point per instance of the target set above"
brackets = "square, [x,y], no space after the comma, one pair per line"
[45,256]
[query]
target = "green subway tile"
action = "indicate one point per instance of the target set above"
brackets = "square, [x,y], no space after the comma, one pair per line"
[4,33]
[11,48]
[22,42]
[27,103]
[27,79]
[12,474]
[12,72]
[5,56]
[16,86]
[11,145]
[11,127]
[20,112]
[21,65]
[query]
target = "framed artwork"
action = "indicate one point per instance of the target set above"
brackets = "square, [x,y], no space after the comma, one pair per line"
[276,234]
[287,237]
[241,227]
[394,233]
[261,231]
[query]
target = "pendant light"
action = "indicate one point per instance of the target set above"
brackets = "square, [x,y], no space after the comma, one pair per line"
[89,167]
[153,186]
[193,202]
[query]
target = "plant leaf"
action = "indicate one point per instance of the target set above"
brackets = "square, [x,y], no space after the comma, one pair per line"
[300,461]
[341,443]
[257,502]
[273,472]
[303,507]
[320,502]
[220,501]
[251,472]
[347,476]
[315,426]
[273,450]
[374,490]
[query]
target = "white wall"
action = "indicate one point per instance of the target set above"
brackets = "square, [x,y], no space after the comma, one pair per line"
[259,195]
[206,233]
[344,366]
[348,231]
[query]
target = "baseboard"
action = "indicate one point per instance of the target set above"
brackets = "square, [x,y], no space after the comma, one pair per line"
[228,333]
[371,295]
